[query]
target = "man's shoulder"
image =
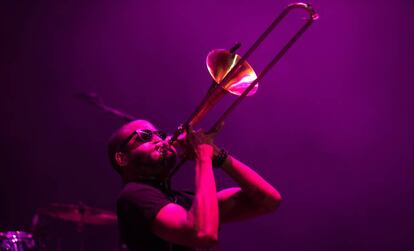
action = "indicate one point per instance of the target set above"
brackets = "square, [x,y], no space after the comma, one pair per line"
[134,190]
[136,186]
[140,200]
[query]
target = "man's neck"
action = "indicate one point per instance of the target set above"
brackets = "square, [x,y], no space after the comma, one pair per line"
[162,183]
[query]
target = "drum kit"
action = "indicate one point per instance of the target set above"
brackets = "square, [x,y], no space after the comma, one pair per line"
[80,214]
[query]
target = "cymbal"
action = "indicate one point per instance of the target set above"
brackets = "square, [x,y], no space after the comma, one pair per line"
[79,213]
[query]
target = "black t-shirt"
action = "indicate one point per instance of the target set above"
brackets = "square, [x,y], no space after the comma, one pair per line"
[137,206]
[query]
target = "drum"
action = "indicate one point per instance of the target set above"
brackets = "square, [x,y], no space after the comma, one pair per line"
[16,241]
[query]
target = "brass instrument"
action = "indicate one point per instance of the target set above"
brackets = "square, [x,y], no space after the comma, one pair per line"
[231,73]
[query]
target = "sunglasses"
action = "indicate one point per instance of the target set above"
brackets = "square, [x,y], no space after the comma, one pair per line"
[144,135]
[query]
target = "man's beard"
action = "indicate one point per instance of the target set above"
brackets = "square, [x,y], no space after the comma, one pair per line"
[167,158]
[165,161]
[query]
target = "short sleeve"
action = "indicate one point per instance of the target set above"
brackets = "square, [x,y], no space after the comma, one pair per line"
[144,199]
[137,206]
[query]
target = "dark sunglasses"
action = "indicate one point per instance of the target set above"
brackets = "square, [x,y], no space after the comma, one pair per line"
[144,135]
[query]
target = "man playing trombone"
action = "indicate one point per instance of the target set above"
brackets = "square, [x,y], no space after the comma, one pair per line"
[151,216]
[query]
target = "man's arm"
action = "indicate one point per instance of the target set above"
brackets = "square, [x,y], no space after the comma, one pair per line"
[254,197]
[199,226]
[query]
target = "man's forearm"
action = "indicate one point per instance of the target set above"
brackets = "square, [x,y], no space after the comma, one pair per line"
[204,210]
[252,184]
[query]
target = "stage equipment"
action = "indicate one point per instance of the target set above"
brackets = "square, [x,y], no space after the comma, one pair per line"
[232,73]
[95,100]
[16,241]
[79,213]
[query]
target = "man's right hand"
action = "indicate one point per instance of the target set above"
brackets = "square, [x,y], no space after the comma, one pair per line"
[200,145]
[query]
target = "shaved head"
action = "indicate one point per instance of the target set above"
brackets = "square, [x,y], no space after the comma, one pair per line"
[120,135]
[139,150]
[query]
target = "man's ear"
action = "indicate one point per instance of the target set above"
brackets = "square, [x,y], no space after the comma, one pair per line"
[121,159]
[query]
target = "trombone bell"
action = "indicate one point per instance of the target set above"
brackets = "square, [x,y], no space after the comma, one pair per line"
[220,62]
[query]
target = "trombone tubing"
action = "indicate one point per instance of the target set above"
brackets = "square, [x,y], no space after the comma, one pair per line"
[312,17]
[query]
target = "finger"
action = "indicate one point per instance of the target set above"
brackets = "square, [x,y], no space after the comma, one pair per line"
[182,136]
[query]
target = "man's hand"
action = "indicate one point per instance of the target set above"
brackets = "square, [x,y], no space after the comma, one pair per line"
[200,145]
[196,144]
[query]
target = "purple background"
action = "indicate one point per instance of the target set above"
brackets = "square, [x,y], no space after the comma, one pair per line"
[330,126]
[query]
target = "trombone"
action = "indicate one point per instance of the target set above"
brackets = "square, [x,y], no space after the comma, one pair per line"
[232,73]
